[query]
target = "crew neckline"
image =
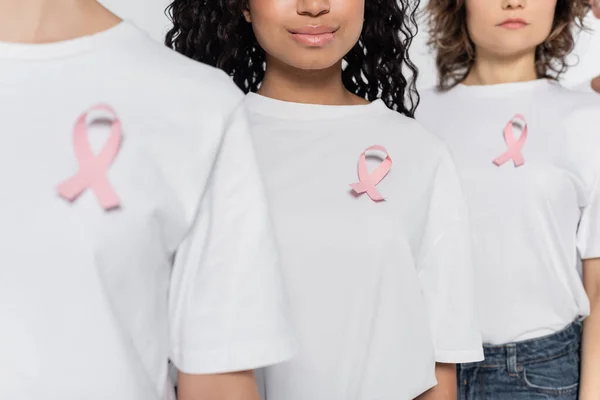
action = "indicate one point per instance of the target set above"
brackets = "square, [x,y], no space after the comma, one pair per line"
[506,89]
[60,49]
[288,110]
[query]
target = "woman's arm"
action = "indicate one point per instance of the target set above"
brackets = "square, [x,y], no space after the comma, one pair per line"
[595,7]
[596,84]
[446,387]
[590,362]
[231,386]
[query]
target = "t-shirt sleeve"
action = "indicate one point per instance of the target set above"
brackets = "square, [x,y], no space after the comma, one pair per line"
[588,233]
[446,271]
[583,129]
[227,305]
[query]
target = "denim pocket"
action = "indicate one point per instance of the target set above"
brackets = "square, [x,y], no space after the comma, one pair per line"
[557,376]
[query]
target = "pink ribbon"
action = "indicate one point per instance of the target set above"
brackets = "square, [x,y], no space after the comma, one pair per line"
[93,168]
[367,182]
[514,146]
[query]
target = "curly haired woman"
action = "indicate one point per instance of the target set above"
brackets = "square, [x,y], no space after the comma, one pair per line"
[529,160]
[377,263]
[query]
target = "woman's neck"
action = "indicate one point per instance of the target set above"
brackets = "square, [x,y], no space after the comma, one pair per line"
[46,21]
[325,87]
[491,70]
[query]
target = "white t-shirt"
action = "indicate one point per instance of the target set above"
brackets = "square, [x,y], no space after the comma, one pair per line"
[378,290]
[93,302]
[528,222]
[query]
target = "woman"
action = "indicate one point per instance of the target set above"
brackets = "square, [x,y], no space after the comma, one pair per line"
[134,228]
[527,154]
[376,261]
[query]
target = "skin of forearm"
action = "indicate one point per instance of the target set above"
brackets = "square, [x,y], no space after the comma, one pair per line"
[446,387]
[230,386]
[590,354]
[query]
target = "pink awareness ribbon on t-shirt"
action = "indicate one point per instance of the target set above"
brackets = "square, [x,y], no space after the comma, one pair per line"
[93,168]
[514,146]
[367,182]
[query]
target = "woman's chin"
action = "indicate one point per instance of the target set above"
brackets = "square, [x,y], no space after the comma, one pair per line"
[313,63]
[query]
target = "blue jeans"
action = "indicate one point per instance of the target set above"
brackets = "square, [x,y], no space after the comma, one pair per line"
[541,368]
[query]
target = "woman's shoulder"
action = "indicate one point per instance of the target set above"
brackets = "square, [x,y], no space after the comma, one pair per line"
[151,68]
[432,99]
[579,108]
[578,99]
[411,134]
[431,94]
[581,124]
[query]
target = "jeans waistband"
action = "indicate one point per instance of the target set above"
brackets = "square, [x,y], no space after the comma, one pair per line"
[533,350]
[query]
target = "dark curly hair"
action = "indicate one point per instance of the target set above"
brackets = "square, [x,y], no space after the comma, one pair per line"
[455,51]
[215,32]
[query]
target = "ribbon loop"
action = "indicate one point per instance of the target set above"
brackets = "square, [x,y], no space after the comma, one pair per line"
[92,173]
[514,146]
[367,182]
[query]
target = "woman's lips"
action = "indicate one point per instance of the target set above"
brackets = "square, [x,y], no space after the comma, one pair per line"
[314,35]
[513,23]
